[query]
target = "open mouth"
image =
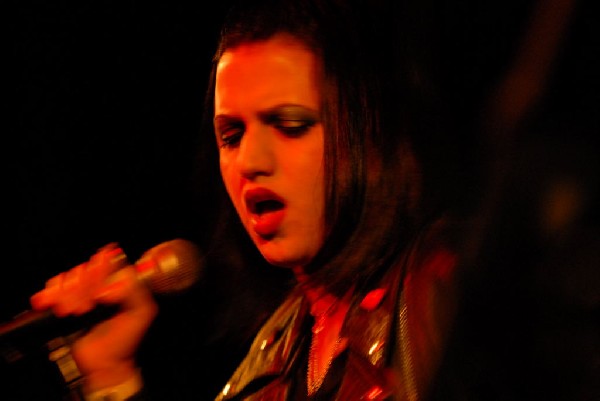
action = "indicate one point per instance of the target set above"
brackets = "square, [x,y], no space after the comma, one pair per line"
[267,211]
[263,201]
[266,206]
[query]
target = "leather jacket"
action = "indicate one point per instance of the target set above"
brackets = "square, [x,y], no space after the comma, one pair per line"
[395,332]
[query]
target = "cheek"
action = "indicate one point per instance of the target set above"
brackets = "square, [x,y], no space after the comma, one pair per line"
[319,199]
[313,190]
[228,178]
[317,165]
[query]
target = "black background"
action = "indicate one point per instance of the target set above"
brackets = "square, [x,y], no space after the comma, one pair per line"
[104,109]
[105,102]
[108,100]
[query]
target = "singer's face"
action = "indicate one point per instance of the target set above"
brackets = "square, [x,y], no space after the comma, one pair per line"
[270,142]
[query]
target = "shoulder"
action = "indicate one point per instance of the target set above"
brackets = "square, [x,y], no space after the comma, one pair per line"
[429,299]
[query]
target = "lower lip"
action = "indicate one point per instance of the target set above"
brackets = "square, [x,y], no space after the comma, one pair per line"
[267,224]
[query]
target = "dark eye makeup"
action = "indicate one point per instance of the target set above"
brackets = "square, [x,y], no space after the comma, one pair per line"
[291,121]
[229,133]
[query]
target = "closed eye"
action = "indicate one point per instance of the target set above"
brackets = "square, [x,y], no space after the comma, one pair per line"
[293,127]
[229,134]
[291,120]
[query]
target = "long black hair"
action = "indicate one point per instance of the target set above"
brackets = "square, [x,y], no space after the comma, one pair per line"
[368,96]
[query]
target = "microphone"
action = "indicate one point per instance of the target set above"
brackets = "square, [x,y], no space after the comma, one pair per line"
[168,268]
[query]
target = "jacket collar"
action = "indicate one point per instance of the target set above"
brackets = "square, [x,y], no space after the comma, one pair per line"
[367,328]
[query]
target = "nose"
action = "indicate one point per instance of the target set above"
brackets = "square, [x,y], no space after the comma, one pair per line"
[256,154]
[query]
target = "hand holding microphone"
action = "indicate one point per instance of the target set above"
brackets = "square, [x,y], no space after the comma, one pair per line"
[106,354]
[170,267]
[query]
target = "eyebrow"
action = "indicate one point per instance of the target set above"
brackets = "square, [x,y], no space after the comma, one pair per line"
[223,118]
[308,111]
[265,114]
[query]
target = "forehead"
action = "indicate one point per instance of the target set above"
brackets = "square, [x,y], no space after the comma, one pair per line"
[265,73]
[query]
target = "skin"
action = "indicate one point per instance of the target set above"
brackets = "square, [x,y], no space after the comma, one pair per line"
[271,143]
[270,139]
[105,355]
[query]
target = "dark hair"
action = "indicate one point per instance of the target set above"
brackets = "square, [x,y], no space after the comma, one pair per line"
[372,180]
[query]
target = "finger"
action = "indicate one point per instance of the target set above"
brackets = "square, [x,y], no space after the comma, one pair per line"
[73,278]
[49,295]
[106,261]
[77,292]
[55,281]
[121,285]
[66,293]
[73,289]
[45,298]
[125,289]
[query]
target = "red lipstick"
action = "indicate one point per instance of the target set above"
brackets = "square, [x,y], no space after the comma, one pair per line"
[267,210]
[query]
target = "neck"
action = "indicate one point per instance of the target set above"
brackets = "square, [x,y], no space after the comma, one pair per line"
[320,300]
[329,313]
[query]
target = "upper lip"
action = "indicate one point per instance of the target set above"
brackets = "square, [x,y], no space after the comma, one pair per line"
[254,197]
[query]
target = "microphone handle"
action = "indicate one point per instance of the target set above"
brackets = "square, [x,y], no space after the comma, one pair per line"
[43,324]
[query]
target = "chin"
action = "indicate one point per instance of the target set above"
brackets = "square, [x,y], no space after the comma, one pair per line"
[284,252]
[284,261]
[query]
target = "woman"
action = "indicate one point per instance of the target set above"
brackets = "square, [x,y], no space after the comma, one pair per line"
[310,109]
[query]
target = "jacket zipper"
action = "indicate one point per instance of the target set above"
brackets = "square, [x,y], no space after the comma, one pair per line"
[407,360]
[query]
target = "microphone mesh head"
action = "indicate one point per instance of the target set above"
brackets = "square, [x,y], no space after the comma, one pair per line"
[172,266]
